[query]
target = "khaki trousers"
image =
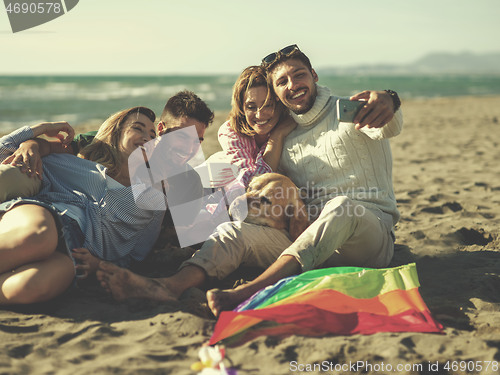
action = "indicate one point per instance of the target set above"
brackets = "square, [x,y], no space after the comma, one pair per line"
[14,183]
[345,234]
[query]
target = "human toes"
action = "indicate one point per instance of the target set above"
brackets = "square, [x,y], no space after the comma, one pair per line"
[214,299]
[103,279]
[107,267]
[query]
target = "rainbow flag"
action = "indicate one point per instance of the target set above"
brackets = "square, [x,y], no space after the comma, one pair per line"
[339,301]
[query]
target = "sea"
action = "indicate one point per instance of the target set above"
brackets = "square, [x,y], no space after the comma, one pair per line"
[27,100]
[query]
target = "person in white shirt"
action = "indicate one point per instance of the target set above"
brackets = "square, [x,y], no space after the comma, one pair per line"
[345,173]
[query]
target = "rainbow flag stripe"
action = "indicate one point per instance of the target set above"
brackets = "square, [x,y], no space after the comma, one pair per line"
[339,301]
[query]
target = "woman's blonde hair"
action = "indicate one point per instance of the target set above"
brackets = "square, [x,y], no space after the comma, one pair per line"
[105,148]
[253,76]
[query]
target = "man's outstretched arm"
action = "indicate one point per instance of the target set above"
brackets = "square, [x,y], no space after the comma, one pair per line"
[379,108]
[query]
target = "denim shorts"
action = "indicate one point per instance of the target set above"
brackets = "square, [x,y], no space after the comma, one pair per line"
[69,233]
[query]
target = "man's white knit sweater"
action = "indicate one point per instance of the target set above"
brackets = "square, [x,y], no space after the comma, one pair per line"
[327,159]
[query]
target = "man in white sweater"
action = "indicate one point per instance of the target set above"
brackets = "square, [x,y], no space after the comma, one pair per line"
[344,171]
[348,166]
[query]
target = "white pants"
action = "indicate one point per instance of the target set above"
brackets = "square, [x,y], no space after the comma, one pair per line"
[345,234]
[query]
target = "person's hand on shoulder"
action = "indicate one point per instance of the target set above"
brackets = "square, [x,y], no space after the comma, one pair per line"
[284,127]
[28,158]
[378,110]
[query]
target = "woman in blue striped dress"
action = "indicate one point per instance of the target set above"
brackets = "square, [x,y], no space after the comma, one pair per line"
[83,204]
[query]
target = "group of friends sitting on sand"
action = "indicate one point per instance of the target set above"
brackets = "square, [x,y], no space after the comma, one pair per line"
[72,207]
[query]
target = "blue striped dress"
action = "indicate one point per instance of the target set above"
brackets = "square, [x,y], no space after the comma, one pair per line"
[117,227]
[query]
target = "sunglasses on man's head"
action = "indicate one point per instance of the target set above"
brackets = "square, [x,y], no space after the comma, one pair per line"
[272,57]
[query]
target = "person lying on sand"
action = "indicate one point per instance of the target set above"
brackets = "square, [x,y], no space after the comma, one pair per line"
[21,172]
[83,203]
[182,111]
[346,170]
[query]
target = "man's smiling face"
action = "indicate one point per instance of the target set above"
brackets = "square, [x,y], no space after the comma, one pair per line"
[295,85]
[184,143]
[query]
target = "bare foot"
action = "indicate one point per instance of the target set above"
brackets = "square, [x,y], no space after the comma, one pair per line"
[223,300]
[123,284]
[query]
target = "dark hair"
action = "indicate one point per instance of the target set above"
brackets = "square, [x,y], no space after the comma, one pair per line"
[187,103]
[105,147]
[295,55]
[253,76]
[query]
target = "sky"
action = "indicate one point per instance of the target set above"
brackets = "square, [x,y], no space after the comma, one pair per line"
[222,36]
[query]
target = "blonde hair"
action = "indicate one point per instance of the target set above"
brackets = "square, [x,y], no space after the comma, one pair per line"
[104,149]
[253,76]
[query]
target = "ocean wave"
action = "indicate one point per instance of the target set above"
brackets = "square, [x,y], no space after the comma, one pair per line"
[28,100]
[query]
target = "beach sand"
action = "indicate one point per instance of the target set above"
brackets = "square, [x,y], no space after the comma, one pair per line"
[447,182]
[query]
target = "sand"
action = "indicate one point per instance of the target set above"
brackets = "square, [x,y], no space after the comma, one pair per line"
[447,182]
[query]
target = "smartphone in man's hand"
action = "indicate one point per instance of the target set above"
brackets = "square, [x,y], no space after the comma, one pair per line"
[348,109]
